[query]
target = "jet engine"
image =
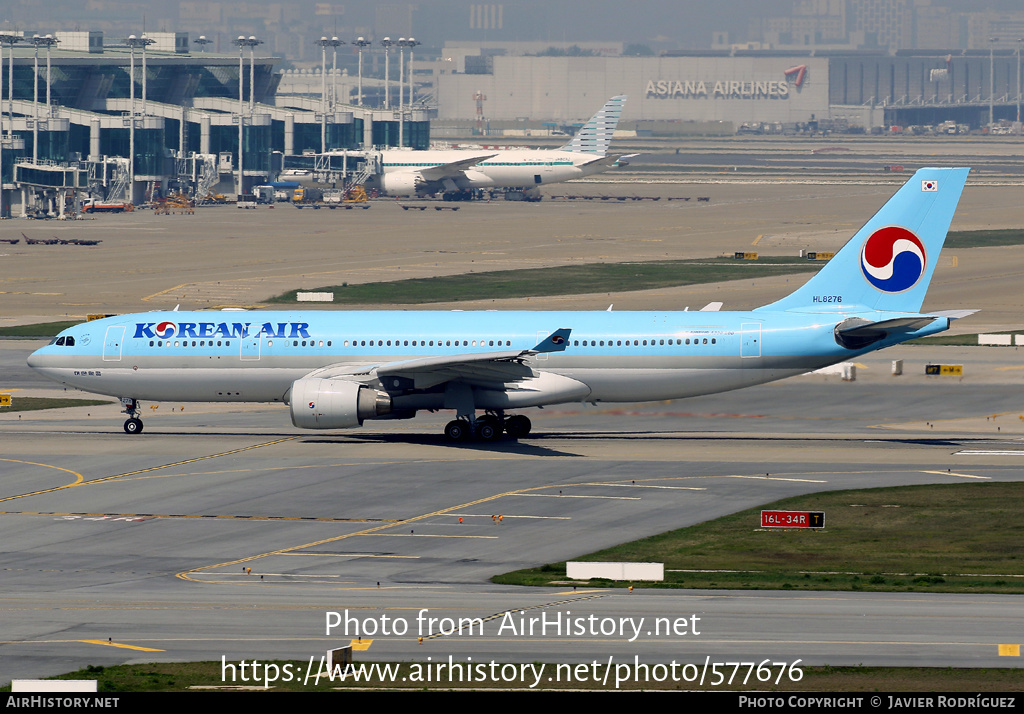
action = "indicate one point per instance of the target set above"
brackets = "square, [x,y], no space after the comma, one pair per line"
[335,403]
[404,183]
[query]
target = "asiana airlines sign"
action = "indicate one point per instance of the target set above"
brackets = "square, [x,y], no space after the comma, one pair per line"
[669,89]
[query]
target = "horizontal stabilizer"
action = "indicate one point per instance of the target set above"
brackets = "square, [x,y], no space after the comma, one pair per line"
[857,333]
[955,314]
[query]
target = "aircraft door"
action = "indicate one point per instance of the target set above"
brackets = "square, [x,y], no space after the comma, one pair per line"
[750,336]
[251,348]
[112,343]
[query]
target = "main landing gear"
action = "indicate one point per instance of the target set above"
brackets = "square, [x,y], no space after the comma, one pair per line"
[133,425]
[488,427]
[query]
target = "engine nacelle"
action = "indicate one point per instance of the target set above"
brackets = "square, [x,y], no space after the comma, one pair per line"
[335,403]
[403,183]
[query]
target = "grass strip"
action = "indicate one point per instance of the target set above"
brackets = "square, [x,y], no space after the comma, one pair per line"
[178,677]
[962,537]
[981,239]
[33,404]
[39,330]
[562,280]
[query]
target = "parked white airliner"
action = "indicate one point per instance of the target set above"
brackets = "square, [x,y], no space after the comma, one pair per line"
[337,369]
[451,171]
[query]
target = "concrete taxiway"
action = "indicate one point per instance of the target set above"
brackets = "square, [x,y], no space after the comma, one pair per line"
[119,548]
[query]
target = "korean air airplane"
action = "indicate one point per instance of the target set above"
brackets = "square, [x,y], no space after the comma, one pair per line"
[408,173]
[339,369]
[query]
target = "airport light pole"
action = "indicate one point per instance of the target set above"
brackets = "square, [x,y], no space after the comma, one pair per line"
[134,42]
[241,111]
[323,93]
[6,39]
[202,42]
[334,43]
[991,81]
[324,43]
[1020,43]
[251,44]
[386,43]
[242,43]
[361,42]
[402,44]
[411,43]
[48,41]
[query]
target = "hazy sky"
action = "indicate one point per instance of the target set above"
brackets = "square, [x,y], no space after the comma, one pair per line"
[662,23]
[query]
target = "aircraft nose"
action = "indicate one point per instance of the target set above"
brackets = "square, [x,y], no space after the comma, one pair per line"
[35,360]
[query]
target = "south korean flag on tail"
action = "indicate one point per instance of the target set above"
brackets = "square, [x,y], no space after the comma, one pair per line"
[927,185]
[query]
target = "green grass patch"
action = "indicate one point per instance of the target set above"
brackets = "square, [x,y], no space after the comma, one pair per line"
[39,330]
[33,404]
[563,280]
[908,538]
[179,677]
[981,239]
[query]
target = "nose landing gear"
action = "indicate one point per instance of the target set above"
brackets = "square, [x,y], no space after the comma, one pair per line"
[133,425]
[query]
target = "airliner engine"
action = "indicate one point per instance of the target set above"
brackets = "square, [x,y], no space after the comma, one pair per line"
[402,184]
[335,403]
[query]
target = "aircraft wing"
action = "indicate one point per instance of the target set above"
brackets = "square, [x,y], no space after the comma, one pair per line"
[453,169]
[490,368]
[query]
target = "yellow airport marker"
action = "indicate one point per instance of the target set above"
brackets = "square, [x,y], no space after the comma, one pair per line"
[361,645]
[1009,650]
[131,647]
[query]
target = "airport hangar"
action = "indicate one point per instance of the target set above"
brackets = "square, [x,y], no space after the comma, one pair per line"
[860,88]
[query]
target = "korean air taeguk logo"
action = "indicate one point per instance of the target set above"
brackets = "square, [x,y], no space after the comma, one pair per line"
[893,259]
[165,330]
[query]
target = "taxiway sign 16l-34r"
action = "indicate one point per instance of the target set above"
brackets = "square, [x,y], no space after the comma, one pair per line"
[338,369]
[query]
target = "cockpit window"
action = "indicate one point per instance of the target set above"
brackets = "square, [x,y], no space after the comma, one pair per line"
[60,341]
[69,341]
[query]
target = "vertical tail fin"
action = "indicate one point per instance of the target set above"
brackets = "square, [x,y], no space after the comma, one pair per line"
[889,263]
[596,135]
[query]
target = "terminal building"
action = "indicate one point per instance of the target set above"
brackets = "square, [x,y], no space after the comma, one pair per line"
[870,89]
[74,109]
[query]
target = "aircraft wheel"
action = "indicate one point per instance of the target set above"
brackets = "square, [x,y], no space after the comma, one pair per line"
[133,426]
[492,420]
[457,430]
[488,430]
[518,426]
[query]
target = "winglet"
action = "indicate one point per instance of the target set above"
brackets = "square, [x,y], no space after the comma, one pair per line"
[557,341]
